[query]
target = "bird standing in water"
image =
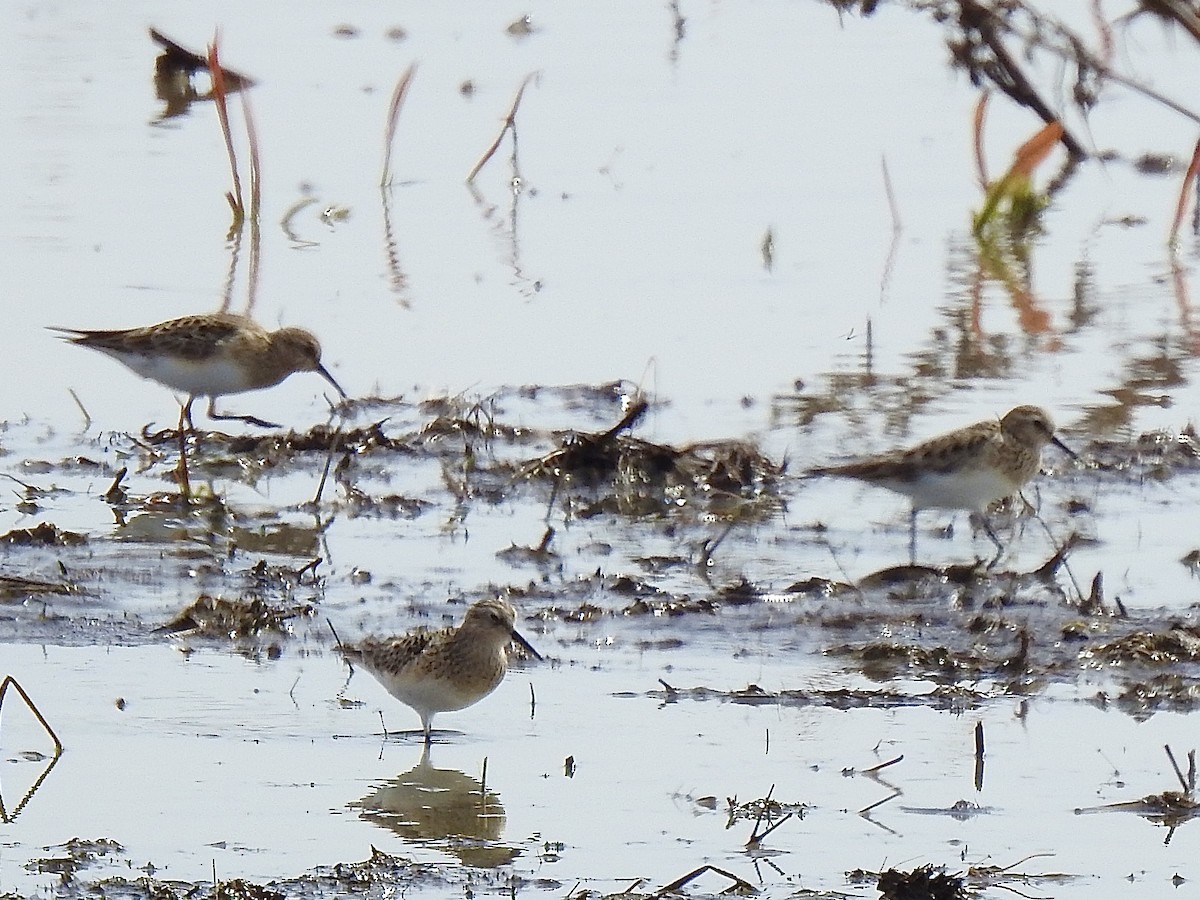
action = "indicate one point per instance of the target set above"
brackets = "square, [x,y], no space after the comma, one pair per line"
[967,468]
[210,356]
[447,669]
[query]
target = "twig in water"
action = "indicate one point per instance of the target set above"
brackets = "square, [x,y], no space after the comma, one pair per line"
[743,886]
[87,419]
[977,133]
[762,811]
[756,840]
[115,493]
[310,566]
[510,123]
[185,486]
[333,449]
[37,713]
[883,765]
[978,756]
[337,640]
[398,96]
[218,81]
[1187,784]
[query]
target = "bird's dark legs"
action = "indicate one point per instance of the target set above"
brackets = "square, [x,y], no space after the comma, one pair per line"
[912,537]
[250,420]
[980,520]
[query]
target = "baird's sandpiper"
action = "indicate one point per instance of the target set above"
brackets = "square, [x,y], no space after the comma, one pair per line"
[447,669]
[967,468]
[210,355]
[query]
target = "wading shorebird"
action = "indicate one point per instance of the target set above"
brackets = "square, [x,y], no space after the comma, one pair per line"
[210,356]
[967,468]
[447,669]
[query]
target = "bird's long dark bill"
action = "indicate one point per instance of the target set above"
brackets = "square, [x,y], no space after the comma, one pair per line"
[1064,448]
[516,636]
[324,373]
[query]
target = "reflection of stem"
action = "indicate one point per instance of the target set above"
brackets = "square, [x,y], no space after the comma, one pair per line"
[1189,179]
[396,277]
[508,230]
[510,124]
[742,886]
[679,26]
[897,230]
[7,817]
[286,222]
[993,264]
[255,264]
[1180,287]
[234,239]
[255,167]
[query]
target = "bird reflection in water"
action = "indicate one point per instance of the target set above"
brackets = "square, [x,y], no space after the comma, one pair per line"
[445,807]
[175,71]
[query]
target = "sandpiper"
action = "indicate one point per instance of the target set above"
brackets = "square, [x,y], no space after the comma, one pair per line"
[447,669]
[967,468]
[210,355]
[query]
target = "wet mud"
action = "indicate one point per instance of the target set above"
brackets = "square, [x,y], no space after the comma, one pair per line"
[948,637]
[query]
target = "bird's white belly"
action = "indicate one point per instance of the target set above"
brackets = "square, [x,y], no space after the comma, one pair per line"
[973,489]
[211,377]
[432,695]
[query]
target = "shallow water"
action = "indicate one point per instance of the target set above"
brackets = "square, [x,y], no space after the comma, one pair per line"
[258,768]
[654,159]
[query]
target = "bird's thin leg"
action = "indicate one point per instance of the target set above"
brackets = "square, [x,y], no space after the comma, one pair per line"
[987,528]
[912,537]
[428,732]
[250,420]
[981,520]
[187,415]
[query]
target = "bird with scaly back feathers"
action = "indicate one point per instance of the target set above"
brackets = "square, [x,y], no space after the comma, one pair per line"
[210,355]
[967,468]
[447,669]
